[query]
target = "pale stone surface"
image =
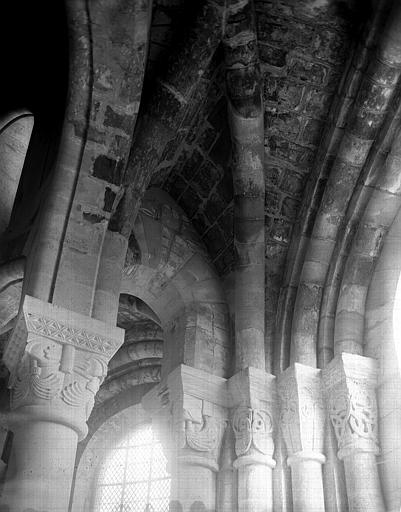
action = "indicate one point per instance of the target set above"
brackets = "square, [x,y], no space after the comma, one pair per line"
[302,419]
[350,386]
[57,361]
[188,410]
[14,141]
[253,395]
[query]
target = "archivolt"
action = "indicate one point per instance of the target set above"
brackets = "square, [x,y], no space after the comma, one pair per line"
[175,277]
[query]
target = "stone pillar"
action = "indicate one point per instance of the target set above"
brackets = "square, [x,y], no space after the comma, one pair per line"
[189,416]
[302,418]
[253,396]
[57,361]
[350,381]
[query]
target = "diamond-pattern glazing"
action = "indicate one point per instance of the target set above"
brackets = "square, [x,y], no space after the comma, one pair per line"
[134,477]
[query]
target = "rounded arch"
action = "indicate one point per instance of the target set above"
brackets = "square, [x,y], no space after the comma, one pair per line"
[381,339]
[174,276]
[15,134]
[101,441]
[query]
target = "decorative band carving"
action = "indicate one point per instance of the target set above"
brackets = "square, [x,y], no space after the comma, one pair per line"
[253,428]
[63,333]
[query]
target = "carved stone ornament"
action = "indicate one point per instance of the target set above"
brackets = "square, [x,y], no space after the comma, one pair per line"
[350,382]
[302,412]
[187,419]
[40,319]
[253,428]
[203,437]
[66,370]
[353,414]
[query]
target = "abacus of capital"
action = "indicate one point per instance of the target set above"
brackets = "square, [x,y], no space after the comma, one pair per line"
[57,360]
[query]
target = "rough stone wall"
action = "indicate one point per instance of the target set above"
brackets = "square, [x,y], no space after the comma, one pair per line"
[303,52]
[195,170]
[174,276]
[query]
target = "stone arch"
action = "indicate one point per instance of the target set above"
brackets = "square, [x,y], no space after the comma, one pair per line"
[102,440]
[107,54]
[380,340]
[175,277]
[15,133]
[138,360]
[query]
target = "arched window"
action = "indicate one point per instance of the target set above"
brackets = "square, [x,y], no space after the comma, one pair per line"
[134,478]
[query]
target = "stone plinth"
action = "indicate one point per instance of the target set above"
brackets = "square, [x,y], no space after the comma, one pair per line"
[302,420]
[350,381]
[57,361]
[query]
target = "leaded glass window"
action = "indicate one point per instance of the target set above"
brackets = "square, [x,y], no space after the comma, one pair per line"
[134,477]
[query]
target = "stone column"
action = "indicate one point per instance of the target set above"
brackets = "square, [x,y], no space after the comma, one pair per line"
[252,394]
[302,418]
[350,381]
[227,489]
[57,361]
[189,416]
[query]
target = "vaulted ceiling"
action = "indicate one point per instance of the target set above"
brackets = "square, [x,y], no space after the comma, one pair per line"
[304,49]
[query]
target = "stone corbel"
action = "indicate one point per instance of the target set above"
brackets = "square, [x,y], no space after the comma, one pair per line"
[350,381]
[189,415]
[57,360]
[253,397]
[302,413]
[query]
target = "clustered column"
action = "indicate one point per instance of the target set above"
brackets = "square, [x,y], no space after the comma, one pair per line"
[191,410]
[302,421]
[350,381]
[57,361]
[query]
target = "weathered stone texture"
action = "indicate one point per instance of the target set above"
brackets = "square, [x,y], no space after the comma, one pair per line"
[195,171]
[302,61]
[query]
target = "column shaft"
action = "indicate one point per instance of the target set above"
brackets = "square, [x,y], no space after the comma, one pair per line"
[43,457]
[350,385]
[363,484]
[188,415]
[57,361]
[302,419]
[255,492]
[253,425]
[307,486]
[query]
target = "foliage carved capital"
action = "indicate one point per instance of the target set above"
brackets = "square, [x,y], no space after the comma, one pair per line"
[302,412]
[350,385]
[58,358]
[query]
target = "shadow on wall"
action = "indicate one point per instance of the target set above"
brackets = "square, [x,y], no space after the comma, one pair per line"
[174,276]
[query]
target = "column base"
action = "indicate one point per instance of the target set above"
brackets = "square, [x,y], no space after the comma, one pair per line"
[257,459]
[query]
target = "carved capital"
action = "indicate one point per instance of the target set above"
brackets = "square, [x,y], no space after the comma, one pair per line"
[302,413]
[350,381]
[188,415]
[252,395]
[57,361]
